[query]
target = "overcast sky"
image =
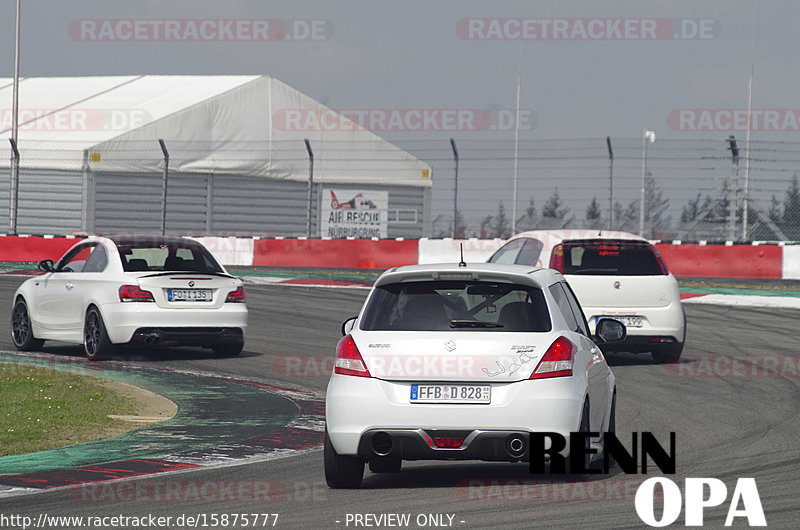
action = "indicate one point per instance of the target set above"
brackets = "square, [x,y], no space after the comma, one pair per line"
[676,55]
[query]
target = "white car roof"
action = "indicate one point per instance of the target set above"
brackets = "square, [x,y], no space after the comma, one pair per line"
[556,236]
[525,274]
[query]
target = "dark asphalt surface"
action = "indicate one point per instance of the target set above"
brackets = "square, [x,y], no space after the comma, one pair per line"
[733,403]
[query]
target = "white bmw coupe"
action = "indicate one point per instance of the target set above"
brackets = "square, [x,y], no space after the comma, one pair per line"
[155,291]
[463,362]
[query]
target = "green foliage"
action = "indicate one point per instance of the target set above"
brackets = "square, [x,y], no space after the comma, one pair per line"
[593,213]
[790,221]
[501,226]
[460,226]
[554,207]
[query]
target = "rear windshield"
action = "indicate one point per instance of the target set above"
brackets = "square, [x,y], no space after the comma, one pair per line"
[166,256]
[612,257]
[456,306]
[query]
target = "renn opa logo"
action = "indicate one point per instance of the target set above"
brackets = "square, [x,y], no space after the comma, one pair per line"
[745,501]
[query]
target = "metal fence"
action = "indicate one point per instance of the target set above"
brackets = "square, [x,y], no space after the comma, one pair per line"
[65,189]
[710,190]
[691,189]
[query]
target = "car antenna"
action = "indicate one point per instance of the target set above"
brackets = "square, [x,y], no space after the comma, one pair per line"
[462,263]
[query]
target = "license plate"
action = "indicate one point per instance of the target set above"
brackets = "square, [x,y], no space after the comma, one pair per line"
[451,394]
[629,321]
[189,295]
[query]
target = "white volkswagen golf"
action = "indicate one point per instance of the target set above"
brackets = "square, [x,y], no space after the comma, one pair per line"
[156,291]
[463,362]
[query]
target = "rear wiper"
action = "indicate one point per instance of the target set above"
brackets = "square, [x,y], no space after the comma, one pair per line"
[594,271]
[473,324]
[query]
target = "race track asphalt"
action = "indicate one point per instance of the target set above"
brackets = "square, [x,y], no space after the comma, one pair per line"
[733,402]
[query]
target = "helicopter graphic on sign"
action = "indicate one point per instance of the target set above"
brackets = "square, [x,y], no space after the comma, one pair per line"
[359,202]
[361,214]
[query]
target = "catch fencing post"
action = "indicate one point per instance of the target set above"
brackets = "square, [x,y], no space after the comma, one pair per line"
[610,184]
[455,191]
[13,191]
[733,188]
[310,184]
[85,192]
[164,187]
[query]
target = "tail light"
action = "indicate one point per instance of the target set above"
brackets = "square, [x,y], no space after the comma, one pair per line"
[236,296]
[557,258]
[448,443]
[557,360]
[349,360]
[133,293]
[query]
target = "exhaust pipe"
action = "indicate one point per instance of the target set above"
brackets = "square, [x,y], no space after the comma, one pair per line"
[516,445]
[381,444]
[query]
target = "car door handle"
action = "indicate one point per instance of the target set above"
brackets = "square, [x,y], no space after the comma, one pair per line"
[69,286]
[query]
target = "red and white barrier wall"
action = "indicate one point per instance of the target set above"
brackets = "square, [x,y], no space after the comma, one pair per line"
[720,261]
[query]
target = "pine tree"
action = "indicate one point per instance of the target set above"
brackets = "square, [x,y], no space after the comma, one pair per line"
[554,207]
[655,208]
[791,211]
[460,227]
[501,227]
[593,213]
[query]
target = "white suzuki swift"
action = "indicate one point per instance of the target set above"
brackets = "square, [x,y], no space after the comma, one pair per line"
[463,362]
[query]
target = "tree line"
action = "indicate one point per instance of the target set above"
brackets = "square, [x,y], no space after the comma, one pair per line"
[703,211]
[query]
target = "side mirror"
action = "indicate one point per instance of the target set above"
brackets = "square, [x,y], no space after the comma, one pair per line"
[46,265]
[348,325]
[610,330]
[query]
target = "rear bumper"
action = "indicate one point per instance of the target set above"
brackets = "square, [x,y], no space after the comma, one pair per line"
[358,407]
[418,444]
[181,326]
[188,336]
[660,325]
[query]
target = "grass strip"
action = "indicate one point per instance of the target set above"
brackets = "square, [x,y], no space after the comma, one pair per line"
[42,408]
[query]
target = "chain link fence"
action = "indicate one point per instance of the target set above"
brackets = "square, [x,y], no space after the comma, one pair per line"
[709,190]
[669,189]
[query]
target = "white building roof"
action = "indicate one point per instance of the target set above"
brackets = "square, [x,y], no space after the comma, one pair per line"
[231,124]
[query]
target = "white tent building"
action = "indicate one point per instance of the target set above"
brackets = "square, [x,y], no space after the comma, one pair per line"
[90,159]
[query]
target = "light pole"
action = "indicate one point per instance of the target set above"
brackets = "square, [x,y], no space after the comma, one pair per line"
[516,159]
[649,136]
[14,184]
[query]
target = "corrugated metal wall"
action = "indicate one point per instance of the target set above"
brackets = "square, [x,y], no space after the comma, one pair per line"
[52,202]
[49,202]
[232,205]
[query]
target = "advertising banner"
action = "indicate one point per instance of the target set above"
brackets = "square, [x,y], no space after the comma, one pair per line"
[354,213]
